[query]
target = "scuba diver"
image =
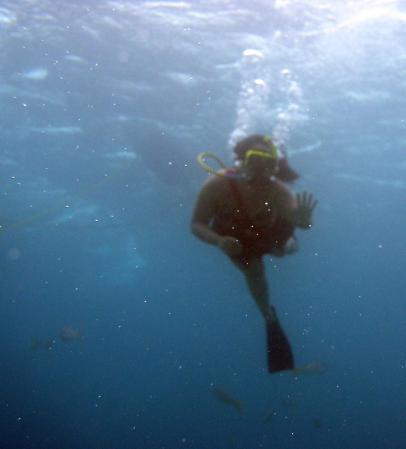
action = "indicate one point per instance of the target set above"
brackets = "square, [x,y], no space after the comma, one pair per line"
[248,212]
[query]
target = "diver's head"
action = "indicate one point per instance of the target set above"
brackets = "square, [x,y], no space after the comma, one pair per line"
[257,157]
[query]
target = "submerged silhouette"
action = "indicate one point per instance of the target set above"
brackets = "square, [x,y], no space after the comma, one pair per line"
[247,212]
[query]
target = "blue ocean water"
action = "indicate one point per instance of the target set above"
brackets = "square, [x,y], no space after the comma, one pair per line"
[117,324]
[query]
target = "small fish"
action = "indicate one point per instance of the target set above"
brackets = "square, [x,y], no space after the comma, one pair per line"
[69,333]
[269,417]
[311,368]
[38,344]
[226,398]
[290,402]
[317,423]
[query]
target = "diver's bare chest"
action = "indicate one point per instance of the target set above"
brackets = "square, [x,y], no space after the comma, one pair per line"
[256,202]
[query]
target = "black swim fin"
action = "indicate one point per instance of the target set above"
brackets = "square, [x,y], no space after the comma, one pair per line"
[280,356]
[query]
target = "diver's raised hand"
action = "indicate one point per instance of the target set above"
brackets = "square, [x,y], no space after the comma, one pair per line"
[305,206]
[230,245]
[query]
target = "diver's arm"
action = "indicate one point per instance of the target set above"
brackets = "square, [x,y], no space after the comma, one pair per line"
[204,211]
[229,245]
[204,233]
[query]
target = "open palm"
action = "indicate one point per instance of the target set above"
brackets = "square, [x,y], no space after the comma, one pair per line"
[305,206]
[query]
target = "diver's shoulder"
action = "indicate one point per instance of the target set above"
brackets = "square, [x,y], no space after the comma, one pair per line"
[221,178]
[215,184]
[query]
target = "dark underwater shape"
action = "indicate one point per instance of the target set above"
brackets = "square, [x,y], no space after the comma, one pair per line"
[280,356]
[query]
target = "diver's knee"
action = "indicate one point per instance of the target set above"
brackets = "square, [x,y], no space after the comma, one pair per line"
[254,269]
[291,246]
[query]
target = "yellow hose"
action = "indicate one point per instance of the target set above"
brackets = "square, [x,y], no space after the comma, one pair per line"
[201,159]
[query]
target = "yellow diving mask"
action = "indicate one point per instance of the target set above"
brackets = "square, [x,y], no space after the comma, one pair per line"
[271,156]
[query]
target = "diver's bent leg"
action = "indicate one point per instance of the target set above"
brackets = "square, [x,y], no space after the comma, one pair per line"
[254,273]
[279,352]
